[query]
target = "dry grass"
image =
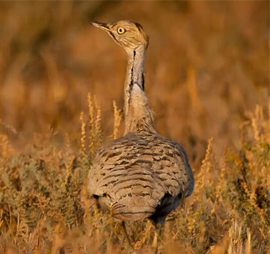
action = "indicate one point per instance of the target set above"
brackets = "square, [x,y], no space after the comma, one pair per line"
[208,84]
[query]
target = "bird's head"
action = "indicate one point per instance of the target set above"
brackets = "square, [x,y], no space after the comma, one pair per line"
[129,35]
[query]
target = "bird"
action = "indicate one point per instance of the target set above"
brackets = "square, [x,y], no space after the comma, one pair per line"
[141,174]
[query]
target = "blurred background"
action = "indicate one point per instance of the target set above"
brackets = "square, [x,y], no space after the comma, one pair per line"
[207,67]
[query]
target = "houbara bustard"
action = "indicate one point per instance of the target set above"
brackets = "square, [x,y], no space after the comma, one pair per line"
[142,174]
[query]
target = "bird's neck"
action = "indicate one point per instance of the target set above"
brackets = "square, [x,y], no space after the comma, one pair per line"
[134,72]
[137,112]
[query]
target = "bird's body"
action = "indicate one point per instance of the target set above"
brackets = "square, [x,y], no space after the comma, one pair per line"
[135,174]
[142,174]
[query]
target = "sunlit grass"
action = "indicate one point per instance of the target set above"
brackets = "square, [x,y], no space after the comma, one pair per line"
[45,207]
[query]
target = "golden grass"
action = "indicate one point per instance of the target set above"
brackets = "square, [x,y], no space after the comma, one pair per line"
[45,207]
[207,82]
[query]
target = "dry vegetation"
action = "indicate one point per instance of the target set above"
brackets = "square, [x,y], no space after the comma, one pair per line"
[207,81]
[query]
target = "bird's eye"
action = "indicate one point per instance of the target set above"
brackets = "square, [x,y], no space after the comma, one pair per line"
[121,30]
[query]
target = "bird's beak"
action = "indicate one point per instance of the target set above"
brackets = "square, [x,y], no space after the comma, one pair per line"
[100,25]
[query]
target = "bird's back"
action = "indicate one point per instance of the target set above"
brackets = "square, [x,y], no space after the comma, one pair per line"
[140,175]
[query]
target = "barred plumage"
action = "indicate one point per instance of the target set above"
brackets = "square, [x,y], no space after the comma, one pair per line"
[142,174]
